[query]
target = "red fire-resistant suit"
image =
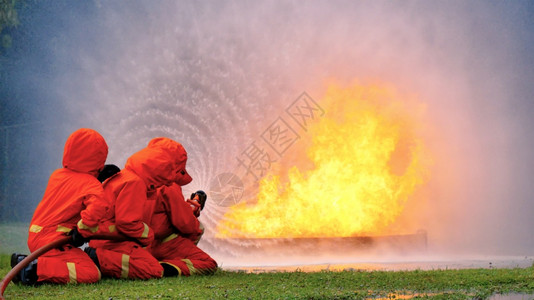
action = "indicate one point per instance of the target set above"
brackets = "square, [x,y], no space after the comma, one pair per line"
[129,190]
[177,230]
[73,197]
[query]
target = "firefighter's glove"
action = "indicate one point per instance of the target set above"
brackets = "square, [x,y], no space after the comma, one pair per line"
[195,206]
[77,239]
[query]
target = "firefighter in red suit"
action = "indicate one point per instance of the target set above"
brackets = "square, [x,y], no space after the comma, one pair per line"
[73,199]
[178,231]
[130,190]
[176,227]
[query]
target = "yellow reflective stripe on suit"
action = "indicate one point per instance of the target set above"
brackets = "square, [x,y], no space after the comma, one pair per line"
[146,231]
[125,266]
[35,228]
[82,226]
[72,272]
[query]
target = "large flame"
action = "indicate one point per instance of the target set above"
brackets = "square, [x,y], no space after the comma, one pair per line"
[367,161]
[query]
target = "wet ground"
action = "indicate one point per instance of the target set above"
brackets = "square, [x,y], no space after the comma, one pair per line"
[395,264]
[399,264]
[390,264]
[512,296]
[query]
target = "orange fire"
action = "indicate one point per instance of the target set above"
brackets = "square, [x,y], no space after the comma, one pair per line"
[363,163]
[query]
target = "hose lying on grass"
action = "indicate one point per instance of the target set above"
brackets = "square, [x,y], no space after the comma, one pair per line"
[55,244]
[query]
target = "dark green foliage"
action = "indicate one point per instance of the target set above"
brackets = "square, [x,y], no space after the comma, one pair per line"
[8,18]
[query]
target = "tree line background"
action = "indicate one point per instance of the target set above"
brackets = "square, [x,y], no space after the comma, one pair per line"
[24,142]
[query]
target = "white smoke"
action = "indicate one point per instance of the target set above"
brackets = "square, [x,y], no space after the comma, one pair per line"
[214,75]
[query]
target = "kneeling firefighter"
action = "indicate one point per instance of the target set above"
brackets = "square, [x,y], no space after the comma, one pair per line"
[74,203]
[175,221]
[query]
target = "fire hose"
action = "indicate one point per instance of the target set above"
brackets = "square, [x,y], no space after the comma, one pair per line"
[55,244]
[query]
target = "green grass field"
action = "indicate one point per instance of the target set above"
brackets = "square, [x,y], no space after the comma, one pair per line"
[437,284]
[13,237]
[354,284]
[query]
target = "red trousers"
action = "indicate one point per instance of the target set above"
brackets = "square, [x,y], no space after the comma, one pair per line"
[182,254]
[127,260]
[67,265]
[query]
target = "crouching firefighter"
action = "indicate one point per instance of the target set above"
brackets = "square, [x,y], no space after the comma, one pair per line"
[129,190]
[73,203]
[175,222]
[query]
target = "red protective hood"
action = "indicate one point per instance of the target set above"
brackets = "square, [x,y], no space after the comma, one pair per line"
[85,151]
[153,165]
[179,157]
